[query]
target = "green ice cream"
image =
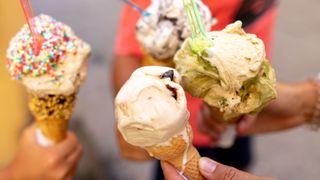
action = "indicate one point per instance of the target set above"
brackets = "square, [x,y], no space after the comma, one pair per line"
[232,76]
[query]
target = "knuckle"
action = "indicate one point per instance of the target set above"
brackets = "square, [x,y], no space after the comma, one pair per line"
[72,137]
[81,152]
[62,174]
[52,161]
[80,149]
[200,124]
[230,174]
[203,128]
[26,133]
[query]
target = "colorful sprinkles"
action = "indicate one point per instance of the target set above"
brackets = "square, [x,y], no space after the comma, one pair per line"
[58,39]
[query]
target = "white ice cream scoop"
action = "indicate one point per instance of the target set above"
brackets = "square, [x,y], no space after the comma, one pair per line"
[151,107]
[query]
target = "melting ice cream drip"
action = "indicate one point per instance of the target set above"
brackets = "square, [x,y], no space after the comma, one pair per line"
[185,136]
[170,74]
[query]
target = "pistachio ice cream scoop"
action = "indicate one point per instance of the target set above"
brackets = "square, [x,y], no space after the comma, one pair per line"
[232,75]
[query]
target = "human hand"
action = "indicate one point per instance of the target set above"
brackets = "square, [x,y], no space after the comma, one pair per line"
[292,108]
[33,161]
[220,134]
[211,170]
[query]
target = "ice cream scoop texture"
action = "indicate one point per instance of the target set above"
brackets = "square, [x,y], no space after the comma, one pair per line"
[151,107]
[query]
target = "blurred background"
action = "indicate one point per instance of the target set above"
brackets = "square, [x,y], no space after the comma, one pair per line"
[293,154]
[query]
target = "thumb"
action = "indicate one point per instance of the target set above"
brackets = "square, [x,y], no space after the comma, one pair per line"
[246,124]
[212,170]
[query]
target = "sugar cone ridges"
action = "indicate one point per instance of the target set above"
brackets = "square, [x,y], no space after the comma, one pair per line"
[192,170]
[174,154]
[52,114]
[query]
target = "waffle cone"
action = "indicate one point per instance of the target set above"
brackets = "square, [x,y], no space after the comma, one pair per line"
[221,117]
[174,154]
[148,60]
[52,114]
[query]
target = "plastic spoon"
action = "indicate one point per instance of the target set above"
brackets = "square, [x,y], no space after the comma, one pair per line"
[200,41]
[37,38]
[136,7]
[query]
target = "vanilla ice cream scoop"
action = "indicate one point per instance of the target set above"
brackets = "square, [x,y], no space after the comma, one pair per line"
[162,32]
[151,107]
[232,75]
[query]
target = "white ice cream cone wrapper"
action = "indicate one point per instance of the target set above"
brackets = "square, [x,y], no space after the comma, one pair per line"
[42,139]
[228,137]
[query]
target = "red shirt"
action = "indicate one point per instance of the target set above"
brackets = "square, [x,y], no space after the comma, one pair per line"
[224,10]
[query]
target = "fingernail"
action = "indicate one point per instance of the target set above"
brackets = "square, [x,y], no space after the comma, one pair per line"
[207,165]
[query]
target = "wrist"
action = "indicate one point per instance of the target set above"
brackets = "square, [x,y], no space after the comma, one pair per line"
[7,173]
[15,172]
[314,119]
[309,95]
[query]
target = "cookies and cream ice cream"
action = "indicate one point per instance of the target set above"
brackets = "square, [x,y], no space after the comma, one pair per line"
[151,107]
[162,32]
[232,76]
[60,67]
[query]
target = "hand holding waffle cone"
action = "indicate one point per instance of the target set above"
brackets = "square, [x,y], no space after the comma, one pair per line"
[151,113]
[181,154]
[52,78]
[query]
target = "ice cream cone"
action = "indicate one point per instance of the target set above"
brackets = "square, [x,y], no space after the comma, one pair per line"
[162,32]
[52,114]
[232,75]
[53,77]
[127,150]
[151,112]
[228,71]
[222,116]
[181,154]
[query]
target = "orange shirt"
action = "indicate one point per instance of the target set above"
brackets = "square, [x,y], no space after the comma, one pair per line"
[225,12]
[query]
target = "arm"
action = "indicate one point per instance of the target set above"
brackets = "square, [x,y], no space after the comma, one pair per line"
[5,173]
[122,68]
[292,108]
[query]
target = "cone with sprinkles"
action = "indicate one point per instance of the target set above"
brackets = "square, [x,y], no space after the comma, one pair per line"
[52,77]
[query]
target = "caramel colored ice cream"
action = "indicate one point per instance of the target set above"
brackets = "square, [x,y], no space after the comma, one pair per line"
[151,107]
[151,112]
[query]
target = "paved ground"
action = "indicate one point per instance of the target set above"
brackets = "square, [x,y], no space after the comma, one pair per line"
[292,155]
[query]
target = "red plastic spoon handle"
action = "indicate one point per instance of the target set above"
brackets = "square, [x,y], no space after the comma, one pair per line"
[37,40]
